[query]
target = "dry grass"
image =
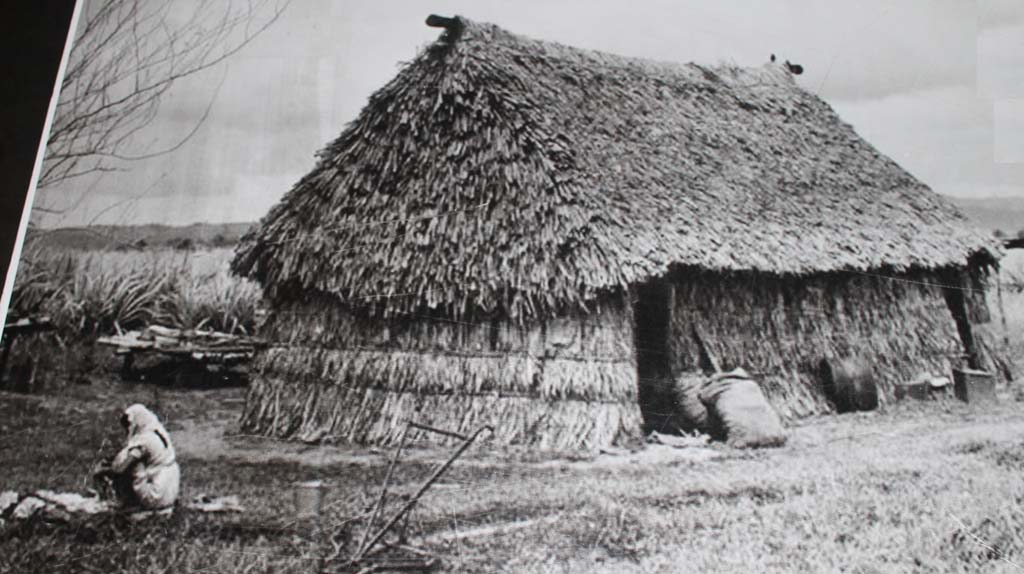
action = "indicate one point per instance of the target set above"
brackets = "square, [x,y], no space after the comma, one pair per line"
[931,487]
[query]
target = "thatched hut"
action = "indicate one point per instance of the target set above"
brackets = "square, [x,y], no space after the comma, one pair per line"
[528,234]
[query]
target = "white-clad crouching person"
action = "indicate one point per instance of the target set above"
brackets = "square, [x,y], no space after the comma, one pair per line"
[144,475]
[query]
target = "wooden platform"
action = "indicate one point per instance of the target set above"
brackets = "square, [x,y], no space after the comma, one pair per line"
[195,346]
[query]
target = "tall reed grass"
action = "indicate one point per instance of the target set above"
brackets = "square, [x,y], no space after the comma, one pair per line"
[97,293]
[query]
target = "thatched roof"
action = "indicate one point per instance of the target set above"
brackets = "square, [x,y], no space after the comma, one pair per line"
[497,173]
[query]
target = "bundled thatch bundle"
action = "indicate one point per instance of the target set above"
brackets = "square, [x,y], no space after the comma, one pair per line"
[501,193]
[336,374]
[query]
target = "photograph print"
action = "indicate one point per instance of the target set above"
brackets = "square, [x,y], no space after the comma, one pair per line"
[353,286]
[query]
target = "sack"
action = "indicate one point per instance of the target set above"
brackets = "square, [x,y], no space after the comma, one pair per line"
[690,410]
[741,412]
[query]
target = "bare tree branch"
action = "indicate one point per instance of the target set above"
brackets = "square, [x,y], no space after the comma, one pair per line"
[126,56]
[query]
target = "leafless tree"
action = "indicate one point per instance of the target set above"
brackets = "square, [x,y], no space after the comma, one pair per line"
[126,56]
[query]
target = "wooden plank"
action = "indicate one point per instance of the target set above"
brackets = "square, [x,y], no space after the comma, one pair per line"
[28,325]
[202,347]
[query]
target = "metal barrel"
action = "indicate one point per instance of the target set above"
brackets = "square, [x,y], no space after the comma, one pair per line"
[850,384]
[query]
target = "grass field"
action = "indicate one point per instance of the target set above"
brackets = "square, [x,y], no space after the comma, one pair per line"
[933,487]
[94,293]
[926,487]
[88,294]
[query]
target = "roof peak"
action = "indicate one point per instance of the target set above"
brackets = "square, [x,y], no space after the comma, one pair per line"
[449,23]
[503,174]
[487,35]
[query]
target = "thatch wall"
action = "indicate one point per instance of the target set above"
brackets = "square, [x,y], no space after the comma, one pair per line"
[334,374]
[781,328]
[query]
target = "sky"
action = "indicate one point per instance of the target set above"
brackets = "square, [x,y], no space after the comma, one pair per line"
[937,85]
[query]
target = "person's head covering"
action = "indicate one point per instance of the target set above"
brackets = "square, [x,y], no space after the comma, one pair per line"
[138,419]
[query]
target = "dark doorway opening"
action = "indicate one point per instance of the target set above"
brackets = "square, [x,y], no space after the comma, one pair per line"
[957,303]
[652,313]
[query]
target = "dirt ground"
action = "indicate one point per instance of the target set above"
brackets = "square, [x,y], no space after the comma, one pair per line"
[912,488]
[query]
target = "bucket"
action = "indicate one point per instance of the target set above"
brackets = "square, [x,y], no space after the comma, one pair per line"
[849,384]
[309,499]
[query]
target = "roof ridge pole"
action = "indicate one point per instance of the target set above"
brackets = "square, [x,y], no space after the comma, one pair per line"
[453,24]
[453,28]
